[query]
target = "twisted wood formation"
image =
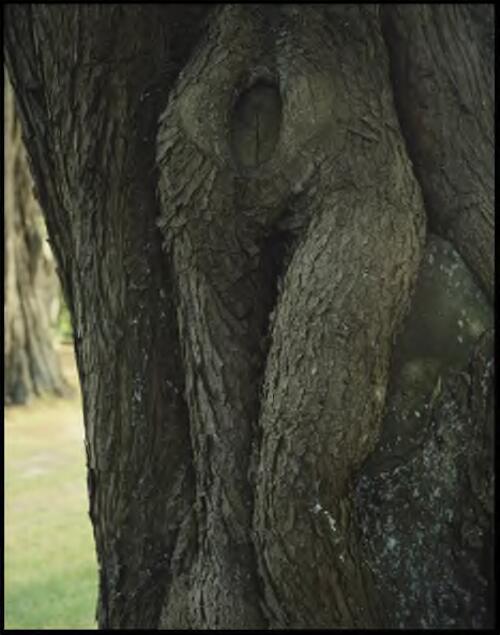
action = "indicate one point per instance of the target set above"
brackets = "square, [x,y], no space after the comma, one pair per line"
[299,164]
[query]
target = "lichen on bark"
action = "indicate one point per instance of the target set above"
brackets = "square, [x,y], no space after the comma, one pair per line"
[236,382]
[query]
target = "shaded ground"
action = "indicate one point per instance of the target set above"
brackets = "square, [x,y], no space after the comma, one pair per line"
[50,567]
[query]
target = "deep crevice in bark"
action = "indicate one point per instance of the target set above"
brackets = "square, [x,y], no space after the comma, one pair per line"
[276,252]
[450,141]
[391,43]
[344,291]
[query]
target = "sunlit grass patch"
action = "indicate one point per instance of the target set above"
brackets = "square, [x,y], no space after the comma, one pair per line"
[50,568]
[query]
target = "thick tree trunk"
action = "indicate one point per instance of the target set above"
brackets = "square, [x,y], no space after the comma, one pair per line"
[288,408]
[31,365]
[443,72]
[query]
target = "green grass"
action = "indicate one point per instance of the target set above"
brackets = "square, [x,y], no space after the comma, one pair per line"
[50,567]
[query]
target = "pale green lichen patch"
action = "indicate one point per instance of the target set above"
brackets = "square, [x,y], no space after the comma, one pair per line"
[449,312]
[424,498]
[422,536]
[448,315]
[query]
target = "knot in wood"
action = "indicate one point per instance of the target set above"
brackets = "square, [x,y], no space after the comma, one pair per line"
[255,125]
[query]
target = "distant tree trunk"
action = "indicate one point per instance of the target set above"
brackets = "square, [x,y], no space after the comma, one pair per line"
[31,365]
[274,225]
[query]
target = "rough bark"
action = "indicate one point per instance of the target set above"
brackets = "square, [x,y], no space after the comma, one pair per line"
[90,81]
[247,386]
[443,71]
[31,365]
[425,497]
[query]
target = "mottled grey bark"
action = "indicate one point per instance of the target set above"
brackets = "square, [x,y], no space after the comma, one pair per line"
[250,389]
[31,364]
[425,497]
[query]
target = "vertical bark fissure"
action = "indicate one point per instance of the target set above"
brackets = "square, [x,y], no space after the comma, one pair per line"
[309,454]
[215,245]
[218,277]
[138,488]
[229,397]
[446,50]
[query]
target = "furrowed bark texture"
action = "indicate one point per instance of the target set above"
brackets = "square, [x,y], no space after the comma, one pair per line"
[250,389]
[31,365]
[340,178]
[442,58]
[89,80]
[425,515]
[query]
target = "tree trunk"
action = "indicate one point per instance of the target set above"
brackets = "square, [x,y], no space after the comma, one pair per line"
[31,364]
[280,289]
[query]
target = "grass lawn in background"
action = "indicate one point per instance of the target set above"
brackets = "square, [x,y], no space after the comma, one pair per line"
[50,569]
